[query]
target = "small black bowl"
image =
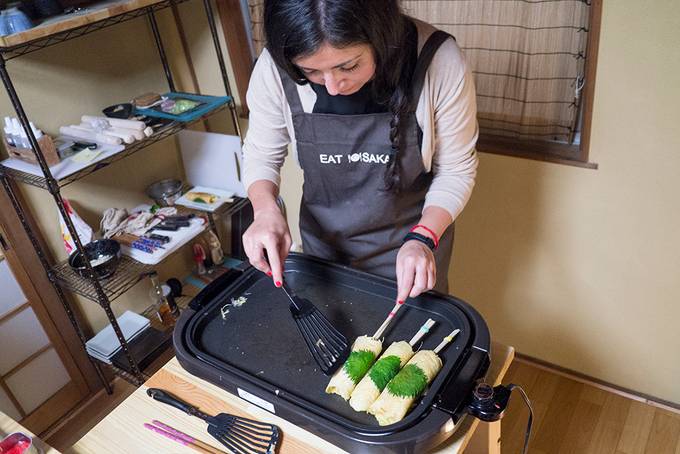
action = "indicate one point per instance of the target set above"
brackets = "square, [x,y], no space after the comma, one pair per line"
[97,250]
[121,111]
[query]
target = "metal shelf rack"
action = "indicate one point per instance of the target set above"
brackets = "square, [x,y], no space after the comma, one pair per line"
[128,273]
[123,370]
[41,182]
[109,13]
[55,37]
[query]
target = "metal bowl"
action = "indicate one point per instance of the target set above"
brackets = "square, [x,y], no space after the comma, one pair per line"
[104,256]
[165,192]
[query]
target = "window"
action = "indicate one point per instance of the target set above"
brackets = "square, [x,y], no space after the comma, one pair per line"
[534,65]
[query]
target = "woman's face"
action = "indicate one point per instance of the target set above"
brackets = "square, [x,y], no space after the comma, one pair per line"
[343,71]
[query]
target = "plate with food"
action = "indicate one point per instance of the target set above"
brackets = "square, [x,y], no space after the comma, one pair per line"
[205,199]
[184,107]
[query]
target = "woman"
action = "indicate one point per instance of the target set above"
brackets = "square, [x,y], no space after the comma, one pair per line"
[381,114]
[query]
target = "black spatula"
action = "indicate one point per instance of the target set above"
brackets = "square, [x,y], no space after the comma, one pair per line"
[328,346]
[240,435]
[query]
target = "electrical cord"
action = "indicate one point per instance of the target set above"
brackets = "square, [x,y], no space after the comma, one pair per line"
[527,435]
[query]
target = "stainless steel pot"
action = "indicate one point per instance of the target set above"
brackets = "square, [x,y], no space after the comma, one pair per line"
[165,192]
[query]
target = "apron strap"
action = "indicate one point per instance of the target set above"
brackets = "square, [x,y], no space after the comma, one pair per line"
[290,89]
[430,47]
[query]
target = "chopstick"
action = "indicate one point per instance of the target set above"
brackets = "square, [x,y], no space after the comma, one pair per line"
[422,331]
[181,438]
[446,341]
[378,334]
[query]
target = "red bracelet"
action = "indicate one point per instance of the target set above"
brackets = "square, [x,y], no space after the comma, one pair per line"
[434,235]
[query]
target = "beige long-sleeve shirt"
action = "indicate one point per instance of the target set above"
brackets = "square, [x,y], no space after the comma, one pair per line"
[446,113]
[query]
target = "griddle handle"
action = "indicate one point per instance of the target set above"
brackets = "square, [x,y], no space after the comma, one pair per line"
[169,399]
[457,392]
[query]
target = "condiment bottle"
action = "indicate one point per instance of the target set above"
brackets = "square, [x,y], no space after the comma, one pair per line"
[160,302]
[172,304]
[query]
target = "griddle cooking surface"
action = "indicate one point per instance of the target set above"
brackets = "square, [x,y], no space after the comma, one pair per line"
[261,338]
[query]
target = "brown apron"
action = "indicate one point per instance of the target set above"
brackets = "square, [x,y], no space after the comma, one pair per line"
[346,215]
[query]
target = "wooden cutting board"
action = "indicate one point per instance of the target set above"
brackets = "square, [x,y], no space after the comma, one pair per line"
[122,430]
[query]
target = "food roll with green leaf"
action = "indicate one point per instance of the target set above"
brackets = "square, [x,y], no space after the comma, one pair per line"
[400,393]
[384,370]
[364,352]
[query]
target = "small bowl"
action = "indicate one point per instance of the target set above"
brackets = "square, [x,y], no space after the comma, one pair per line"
[103,255]
[122,111]
[165,192]
[16,441]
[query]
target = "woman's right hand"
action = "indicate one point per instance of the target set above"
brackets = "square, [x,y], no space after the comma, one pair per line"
[268,233]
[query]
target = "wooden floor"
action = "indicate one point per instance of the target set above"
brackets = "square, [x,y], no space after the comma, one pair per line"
[93,411]
[570,417]
[573,417]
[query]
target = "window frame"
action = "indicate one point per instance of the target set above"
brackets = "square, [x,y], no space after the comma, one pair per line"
[576,154]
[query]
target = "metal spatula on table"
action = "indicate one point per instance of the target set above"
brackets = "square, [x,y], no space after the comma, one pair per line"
[240,435]
[328,346]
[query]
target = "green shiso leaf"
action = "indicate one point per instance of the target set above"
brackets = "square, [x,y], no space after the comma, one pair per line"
[358,364]
[410,382]
[384,370]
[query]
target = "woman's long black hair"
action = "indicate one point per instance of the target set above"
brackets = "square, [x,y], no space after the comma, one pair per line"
[297,28]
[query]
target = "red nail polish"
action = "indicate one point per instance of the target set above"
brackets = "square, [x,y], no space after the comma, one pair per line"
[400,302]
[269,273]
[278,283]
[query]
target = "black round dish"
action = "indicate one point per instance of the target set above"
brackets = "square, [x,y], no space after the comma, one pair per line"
[122,111]
[93,251]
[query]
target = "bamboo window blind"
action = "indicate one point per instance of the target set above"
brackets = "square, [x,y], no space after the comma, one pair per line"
[528,58]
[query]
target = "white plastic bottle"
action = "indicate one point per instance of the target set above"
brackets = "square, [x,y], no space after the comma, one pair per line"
[37,133]
[20,135]
[9,134]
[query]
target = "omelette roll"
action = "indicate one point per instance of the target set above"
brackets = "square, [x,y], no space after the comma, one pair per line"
[364,352]
[386,368]
[400,393]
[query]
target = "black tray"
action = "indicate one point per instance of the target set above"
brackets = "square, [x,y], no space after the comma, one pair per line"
[259,346]
[144,348]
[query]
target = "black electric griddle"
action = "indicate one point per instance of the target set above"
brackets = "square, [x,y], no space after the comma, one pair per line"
[256,351]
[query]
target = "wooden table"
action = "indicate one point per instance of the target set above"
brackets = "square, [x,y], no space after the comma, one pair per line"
[8,426]
[122,431]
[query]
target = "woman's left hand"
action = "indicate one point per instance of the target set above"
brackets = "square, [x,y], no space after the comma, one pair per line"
[416,270]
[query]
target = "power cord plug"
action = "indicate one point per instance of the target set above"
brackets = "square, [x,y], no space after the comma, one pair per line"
[489,404]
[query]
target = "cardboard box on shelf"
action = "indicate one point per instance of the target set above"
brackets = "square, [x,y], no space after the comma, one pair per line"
[28,155]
